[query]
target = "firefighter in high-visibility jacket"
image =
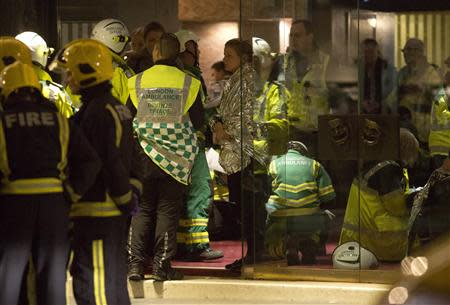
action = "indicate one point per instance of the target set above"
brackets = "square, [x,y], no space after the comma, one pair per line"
[192,235]
[114,34]
[300,188]
[376,215]
[100,217]
[50,89]
[46,163]
[303,70]
[439,139]
[169,111]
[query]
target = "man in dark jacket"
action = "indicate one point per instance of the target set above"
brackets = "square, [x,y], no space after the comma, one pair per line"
[169,111]
[100,216]
[46,163]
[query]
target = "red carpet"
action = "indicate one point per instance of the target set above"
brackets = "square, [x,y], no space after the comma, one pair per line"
[232,250]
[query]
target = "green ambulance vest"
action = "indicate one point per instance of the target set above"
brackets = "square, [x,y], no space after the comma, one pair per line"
[270,110]
[299,186]
[439,139]
[309,95]
[378,222]
[162,96]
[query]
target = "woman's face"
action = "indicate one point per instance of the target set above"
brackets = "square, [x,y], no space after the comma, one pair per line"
[137,42]
[231,59]
[151,39]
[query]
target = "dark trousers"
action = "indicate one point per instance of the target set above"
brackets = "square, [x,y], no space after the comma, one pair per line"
[250,193]
[36,226]
[155,226]
[99,267]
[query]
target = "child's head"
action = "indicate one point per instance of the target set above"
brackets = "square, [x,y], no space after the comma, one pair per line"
[218,71]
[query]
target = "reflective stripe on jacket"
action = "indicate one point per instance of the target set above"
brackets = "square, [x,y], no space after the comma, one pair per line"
[163,96]
[42,153]
[299,186]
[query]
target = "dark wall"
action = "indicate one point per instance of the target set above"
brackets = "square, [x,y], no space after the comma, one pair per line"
[29,15]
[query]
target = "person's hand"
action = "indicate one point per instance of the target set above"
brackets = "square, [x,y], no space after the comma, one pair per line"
[219,134]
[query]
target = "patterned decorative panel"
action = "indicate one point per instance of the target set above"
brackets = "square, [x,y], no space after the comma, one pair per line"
[433,28]
[71,30]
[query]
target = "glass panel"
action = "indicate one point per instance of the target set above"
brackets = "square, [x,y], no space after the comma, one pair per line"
[365,94]
[305,90]
[402,52]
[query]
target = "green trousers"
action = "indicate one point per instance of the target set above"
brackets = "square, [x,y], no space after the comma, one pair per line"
[192,234]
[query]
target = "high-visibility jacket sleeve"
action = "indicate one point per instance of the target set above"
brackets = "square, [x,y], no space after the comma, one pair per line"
[442,110]
[64,104]
[83,164]
[325,186]
[120,85]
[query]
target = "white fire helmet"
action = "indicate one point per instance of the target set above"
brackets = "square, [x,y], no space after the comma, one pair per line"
[260,47]
[39,49]
[351,255]
[185,36]
[113,33]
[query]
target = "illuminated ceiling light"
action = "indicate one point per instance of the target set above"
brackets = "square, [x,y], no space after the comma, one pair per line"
[398,295]
[372,22]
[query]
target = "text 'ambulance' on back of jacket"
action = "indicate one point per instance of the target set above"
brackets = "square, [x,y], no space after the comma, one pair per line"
[163,96]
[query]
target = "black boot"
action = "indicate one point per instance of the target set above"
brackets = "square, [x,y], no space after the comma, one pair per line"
[165,272]
[308,248]
[292,249]
[292,257]
[202,255]
[135,272]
